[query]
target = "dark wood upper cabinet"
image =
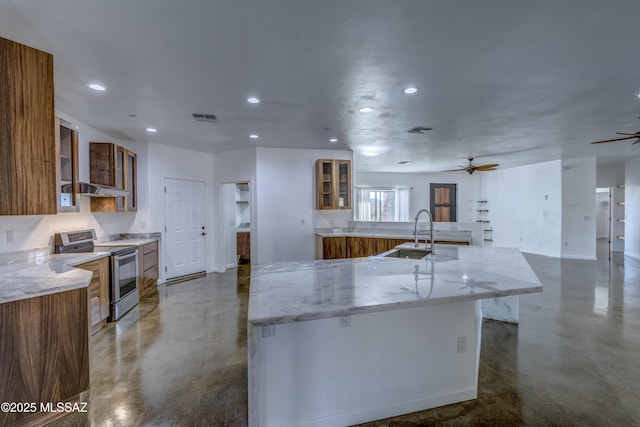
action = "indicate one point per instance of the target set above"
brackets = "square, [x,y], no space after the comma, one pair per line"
[27,131]
[333,184]
[115,166]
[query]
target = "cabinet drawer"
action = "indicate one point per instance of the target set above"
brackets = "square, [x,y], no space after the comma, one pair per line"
[150,247]
[150,260]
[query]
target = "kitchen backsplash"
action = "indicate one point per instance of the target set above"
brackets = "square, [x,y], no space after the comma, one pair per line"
[121,236]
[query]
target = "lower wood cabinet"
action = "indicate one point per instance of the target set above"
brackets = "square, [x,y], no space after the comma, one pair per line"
[243,243]
[148,267]
[98,292]
[44,356]
[356,247]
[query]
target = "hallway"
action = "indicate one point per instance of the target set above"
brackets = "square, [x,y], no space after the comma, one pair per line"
[180,357]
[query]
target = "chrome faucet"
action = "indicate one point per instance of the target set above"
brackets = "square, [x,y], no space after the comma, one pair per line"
[415,229]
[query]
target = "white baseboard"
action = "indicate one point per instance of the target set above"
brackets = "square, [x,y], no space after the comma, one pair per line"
[588,258]
[232,265]
[632,255]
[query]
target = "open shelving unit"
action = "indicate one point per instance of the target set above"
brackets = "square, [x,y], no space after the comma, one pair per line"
[482,216]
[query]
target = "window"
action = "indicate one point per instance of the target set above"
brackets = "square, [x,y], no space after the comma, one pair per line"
[381,204]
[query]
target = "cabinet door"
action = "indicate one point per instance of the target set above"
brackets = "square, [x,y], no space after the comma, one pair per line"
[334,247]
[343,183]
[27,131]
[120,174]
[67,166]
[131,180]
[325,184]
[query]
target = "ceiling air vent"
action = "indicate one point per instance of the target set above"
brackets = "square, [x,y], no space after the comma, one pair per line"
[419,129]
[201,117]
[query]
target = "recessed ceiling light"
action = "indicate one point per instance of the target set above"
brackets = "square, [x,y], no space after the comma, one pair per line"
[333,140]
[409,90]
[253,136]
[152,130]
[253,100]
[97,87]
[370,153]
[365,109]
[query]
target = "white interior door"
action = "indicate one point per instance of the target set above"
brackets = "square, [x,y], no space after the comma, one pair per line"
[185,231]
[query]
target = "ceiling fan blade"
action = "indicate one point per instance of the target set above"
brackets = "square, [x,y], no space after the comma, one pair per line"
[489,166]
[622,133]
[454,170]
[636,141]
[613,140]
[486,170]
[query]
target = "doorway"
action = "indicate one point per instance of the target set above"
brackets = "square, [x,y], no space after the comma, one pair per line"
[236,214]
[443,199]
[603,222]
[185,229]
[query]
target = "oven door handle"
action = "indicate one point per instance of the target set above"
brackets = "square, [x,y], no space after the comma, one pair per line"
[133,254]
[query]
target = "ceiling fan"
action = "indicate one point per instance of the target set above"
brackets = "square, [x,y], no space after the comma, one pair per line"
[471,168]
[631,136]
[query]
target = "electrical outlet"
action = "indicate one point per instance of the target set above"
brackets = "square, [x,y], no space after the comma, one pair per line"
[345,321]
[10,236]
[268,331]
[143,225]
[302,221]
[462,344]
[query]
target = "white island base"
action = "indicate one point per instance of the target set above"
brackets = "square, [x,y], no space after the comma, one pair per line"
[347,370]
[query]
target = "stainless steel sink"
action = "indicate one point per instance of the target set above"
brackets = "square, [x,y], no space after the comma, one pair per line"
[406,253]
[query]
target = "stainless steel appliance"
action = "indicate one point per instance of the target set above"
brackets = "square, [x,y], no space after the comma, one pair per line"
[123,280]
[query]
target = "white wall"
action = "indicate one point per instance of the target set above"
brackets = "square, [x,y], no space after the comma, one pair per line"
[468,187]
[285,192]
[578,208]
[632,208]
[170,162]
[36,231]
[525,206]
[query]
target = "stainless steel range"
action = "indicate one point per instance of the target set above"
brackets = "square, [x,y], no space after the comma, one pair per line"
[123,281]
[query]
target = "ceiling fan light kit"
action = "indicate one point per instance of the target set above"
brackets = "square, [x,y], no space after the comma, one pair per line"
[471,168]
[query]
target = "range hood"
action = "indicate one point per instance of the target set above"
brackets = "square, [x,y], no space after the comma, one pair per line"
[96,190]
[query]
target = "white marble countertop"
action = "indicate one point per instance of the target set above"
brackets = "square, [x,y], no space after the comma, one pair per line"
[296,291]
[127,242]
[44,275]
[396,233]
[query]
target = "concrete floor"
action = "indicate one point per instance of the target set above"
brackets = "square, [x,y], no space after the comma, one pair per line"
[180,357]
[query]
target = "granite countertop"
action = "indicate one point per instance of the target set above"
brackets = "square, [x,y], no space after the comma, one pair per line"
[395,233]
[128,242]
[44,275]
[296,291]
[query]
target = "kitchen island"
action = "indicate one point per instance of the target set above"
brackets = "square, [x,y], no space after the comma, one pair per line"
[348,341]
[44,325]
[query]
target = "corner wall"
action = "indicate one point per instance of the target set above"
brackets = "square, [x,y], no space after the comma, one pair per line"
[525,207]
[632,208]
[286,196]
[578,208]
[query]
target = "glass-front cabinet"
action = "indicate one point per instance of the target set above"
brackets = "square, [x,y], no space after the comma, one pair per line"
[333,184]
[67,166]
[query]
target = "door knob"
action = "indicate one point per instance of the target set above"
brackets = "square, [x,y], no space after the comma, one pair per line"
[204,234]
